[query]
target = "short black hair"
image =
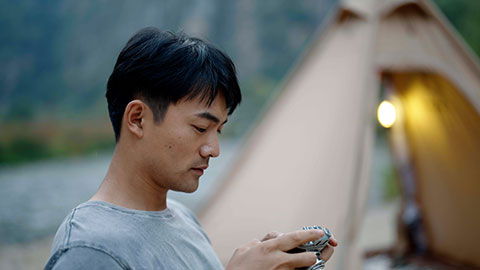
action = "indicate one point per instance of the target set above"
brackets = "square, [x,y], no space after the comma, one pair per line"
[162,67]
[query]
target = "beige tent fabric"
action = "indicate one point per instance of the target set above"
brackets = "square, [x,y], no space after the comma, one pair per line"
[410,37]
[289,173]
[299,166]
[307,161]
[443,132]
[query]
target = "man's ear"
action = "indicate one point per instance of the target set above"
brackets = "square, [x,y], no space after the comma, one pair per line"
[134,117]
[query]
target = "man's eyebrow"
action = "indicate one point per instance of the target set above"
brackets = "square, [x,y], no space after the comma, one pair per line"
[210,117]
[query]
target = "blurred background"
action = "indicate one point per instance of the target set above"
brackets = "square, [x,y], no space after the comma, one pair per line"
[55,136]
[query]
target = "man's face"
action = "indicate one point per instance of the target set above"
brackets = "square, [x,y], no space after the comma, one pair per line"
[177,150]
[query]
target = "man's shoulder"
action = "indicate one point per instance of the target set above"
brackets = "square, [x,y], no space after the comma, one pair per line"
[109,225]
[93,222]
[90,228]
[80,256]
[134,237]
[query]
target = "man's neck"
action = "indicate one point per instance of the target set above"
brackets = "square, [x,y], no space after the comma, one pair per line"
[124,185]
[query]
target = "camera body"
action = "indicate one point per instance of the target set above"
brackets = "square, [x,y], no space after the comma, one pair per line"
[314,246]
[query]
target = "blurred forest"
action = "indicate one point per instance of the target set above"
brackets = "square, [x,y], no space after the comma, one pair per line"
[56,56]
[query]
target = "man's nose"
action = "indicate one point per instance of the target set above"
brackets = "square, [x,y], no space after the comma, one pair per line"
[211,148]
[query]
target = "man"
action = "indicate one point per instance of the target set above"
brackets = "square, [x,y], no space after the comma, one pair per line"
[168,98]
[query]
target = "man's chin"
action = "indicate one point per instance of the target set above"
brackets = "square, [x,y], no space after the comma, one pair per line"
[188,188]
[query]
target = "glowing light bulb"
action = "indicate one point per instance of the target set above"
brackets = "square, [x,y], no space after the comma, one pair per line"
[386,114]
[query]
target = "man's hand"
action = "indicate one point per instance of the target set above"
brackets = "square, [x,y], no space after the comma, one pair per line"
[270,253]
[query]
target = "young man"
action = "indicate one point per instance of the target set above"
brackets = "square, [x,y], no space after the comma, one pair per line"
[168,97]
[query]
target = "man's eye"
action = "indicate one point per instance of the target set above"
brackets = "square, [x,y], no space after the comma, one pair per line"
[201,130]
[219,131]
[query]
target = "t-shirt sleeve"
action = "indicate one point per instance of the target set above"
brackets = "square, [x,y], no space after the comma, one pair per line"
[81,258]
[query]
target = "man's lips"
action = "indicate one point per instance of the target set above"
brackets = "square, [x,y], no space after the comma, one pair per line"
[199,170]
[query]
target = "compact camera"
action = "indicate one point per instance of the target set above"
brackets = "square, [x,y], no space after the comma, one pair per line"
[314,246]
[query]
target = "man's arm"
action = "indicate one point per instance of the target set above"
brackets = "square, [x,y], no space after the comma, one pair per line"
[80,258]
[270,253]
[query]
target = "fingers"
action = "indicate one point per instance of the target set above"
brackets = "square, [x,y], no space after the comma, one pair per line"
[293,239]
[326,253]
[271,235]
[333,241]
[302,259]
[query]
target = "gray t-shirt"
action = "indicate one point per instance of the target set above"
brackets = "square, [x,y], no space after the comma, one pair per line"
[99,235]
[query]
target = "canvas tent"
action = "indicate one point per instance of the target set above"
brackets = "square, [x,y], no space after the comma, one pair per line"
[307,161]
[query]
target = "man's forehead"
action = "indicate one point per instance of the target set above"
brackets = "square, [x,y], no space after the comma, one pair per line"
[209,116]
[216,112]
[205,109]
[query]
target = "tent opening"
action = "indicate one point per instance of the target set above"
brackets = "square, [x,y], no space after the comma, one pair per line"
[435,147]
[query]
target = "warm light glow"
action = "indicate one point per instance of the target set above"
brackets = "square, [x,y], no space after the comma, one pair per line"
[386,114]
